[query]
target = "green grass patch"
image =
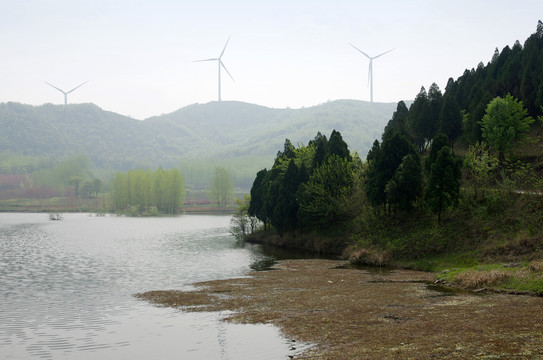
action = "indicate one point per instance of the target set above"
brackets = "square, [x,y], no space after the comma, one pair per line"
[524,277]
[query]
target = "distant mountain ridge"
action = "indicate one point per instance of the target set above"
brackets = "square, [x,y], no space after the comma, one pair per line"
[214,130]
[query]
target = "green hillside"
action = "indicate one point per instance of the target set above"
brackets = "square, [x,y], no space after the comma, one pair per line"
[242,136]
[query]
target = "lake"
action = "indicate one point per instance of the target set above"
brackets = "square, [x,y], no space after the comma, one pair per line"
[66,289]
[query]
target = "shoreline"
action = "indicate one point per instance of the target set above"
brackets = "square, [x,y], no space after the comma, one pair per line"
[370,313]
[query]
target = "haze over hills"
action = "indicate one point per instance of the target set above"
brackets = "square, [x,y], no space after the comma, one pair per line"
[215,131]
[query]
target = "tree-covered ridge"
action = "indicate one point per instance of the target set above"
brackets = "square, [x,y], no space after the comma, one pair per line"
[410,173]
[517,70]
[237,136]
[213,130]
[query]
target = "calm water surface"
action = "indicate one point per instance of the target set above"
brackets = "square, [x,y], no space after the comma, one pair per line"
[66,289]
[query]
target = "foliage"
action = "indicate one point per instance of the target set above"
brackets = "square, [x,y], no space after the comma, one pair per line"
[517,70]
[242,223]
[66,172]
[284,216]
[418,119]
[398,123]
[222,187]
[256,204]
[405,187]
[306,186]
[439,142]
[451,119]
[141,191]
[240,137]
[383,161]
[505,122]
[15,163]
[322,198]
[481,166]
[443,187]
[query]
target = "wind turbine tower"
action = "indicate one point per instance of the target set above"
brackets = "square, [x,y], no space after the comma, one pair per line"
[66,92]
[220,64]
[370,72]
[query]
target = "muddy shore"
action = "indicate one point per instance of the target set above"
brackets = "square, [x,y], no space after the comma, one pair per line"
[370,314]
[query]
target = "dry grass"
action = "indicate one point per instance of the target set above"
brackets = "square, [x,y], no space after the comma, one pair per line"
[536,266]
[473,279]
[356,314]
[372,257]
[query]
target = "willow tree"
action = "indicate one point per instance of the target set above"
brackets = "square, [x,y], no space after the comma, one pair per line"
[142,190]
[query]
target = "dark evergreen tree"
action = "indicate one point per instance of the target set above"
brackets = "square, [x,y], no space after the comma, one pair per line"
[256,205]
[286,209]
[336,146]
[385,161]
[374,152]
[304,173]
[439,142]
[321,150]
[417,119]
[287,153]
[443,186]
[451,120]
[435,102]
[398,122]
[405,187]
[271,193]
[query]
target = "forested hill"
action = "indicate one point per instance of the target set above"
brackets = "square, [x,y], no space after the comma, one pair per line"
[517,70]
[213,131]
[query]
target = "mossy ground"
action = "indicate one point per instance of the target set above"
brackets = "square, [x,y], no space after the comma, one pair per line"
[353,313]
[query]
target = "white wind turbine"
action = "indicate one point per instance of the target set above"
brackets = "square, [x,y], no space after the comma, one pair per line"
[220,64]
[370,72]
[66,92]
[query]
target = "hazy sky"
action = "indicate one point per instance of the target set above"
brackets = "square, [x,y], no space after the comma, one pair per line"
[138,55]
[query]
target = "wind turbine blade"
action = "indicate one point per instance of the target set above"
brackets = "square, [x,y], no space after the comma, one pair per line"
[224,67]
[224,47]
[62,91]
[363,53]
[386,52]
[77,87]
[213,59]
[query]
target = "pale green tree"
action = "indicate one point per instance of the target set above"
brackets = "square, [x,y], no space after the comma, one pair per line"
[505,122]
[222,187]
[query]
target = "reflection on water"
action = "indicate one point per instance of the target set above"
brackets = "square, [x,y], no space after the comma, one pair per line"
[66,288]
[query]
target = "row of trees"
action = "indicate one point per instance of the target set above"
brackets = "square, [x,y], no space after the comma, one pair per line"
[413,167]
[306,187]
[144,191]
[517,70]
[396,177]
[312,187]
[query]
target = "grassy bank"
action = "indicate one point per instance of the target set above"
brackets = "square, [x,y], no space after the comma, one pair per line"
[494,244]
[96,205]
[55,204]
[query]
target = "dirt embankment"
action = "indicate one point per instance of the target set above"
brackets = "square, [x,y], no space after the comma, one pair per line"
[363,314]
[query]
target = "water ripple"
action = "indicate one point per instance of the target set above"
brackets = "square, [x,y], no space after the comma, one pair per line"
[66,289]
